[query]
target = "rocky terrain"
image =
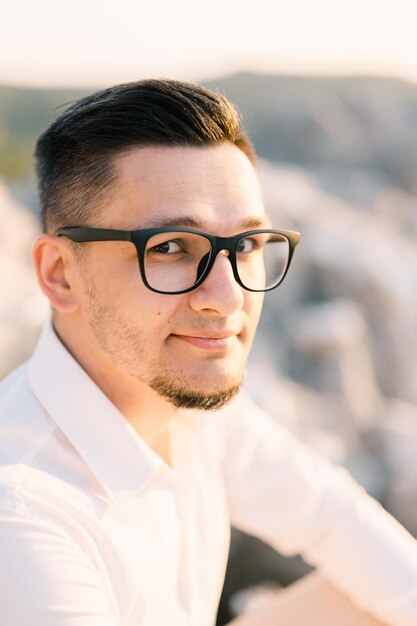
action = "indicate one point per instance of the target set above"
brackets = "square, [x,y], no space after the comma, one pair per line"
[22,307]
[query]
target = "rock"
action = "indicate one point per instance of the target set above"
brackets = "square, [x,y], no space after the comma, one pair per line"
[23,308]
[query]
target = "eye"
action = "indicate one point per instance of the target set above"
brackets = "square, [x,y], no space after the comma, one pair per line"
[165,248]
[246,244]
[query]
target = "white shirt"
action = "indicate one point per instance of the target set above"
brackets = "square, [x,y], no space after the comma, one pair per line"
[97,530]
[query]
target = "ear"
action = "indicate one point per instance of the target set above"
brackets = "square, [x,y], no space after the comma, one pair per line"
[54,264]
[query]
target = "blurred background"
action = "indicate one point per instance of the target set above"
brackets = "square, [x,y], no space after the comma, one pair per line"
[328,93]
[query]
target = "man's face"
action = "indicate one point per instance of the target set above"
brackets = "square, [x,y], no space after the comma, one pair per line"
[190,348]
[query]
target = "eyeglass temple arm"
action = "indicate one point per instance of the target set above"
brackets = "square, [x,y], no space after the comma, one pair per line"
[80,234]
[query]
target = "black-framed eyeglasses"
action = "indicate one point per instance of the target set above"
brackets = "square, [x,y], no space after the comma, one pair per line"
[177,260]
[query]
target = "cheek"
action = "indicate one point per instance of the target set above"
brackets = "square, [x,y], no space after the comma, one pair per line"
[111,285]
[119,278]
[147,311]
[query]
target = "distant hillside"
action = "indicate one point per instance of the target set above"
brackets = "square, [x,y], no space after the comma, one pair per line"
[338,128]
[332,126]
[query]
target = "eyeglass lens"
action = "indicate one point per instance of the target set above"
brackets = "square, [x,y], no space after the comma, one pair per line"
[174,261]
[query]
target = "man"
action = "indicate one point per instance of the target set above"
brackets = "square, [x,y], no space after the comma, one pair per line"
[119,481]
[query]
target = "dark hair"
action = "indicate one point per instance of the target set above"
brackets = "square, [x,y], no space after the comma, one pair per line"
[75,156]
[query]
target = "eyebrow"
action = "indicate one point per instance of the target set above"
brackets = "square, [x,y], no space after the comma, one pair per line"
[189,222]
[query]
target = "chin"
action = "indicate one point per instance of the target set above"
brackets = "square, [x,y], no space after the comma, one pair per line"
[198,392]
[182,398]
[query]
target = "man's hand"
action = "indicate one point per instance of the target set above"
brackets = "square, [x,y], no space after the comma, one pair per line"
[309,602]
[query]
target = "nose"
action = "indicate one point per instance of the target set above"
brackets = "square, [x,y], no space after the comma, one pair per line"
[219,291]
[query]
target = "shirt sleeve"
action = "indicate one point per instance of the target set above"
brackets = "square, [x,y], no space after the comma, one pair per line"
[46,579]
[290,497]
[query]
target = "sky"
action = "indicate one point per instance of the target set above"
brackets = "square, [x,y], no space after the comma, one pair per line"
[99,42]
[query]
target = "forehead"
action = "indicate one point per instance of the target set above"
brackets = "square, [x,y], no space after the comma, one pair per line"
[211,186]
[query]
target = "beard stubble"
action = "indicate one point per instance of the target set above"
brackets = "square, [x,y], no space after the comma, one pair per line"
[125,347]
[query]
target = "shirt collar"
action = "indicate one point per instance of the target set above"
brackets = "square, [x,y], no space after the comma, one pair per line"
[120,459]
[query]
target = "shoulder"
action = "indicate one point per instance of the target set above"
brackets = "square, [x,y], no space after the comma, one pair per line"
[12,384]
[23,421]
[40,470]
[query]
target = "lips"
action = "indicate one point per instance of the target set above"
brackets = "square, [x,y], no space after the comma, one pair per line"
[209,334]
[208,340]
